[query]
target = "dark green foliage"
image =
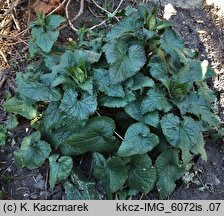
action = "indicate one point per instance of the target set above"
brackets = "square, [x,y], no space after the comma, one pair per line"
[116,99]
[2,135]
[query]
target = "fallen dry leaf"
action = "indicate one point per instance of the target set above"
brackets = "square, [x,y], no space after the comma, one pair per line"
[46,6]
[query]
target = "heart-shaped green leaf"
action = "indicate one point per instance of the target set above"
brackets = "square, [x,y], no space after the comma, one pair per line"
[169,169]
[184,134]
[53,21]
[44,39]
[150,118]
[96,136]
[20,107]
[60,168]
[33,152]
[125,60]
[142,174]
[111,173]
[37,91]
[155,99]
[79,187]
[137,140]
[75,108]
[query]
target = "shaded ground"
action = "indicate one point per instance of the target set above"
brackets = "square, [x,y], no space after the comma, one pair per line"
[201,29]
[208,184]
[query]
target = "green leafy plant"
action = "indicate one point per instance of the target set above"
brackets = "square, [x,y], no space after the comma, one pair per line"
[3,132]
[133,105]
[44,33]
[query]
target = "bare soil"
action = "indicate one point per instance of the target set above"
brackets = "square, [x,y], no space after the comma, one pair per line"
[203,30]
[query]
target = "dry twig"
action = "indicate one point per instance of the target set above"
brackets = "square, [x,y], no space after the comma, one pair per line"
[98,25]
[13,36]
[94,14]
[103,9]
[3,56]
[118,7]
[4,78]
[81,11]
[11,7]
[75,18]
[16,22]
[59,6]
[67,15]
[141,197]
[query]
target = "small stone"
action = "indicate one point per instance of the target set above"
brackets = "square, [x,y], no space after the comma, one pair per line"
[187,4]
[199,21]
[57,196]
[39,184]
[212,179]
[26,195]
[34,196]
[201,32]
[13,142]
[169,11]
[43,195]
